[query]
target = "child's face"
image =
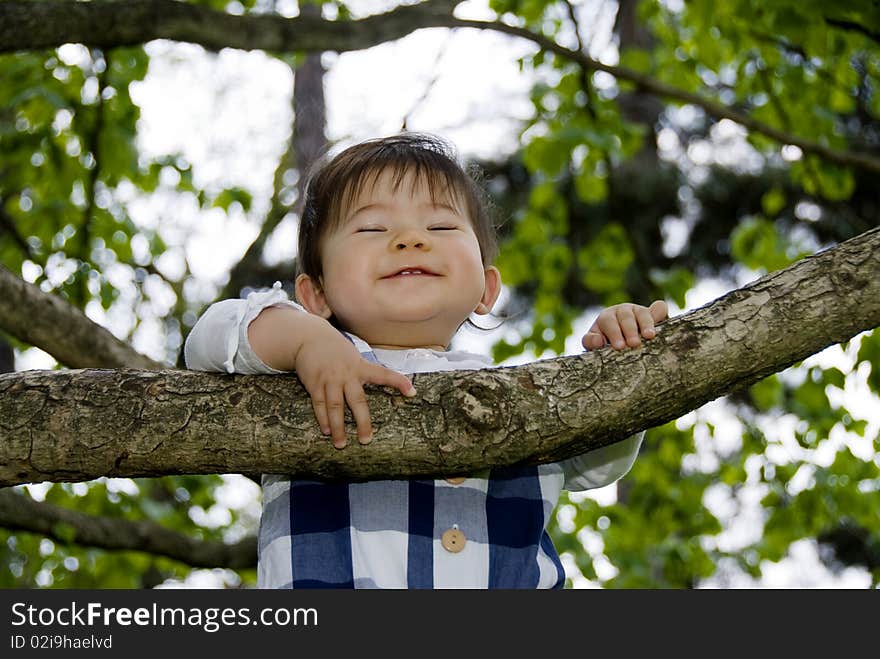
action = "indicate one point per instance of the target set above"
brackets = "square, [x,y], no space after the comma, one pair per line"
[400,271]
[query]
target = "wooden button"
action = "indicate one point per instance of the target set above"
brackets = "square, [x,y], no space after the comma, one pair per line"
[453,540]
[457,480]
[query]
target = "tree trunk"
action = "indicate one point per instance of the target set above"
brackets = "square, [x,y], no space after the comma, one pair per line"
[307,143]
[81,424]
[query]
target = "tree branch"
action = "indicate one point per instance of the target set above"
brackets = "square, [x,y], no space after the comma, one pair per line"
[78,425]
[852,26]
[32,25]
[21,513]
[60,329]
[38,24]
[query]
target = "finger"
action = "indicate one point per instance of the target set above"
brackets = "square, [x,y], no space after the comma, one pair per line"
[609,325]
[593,339]
[659,311]
[360,410]
[336,415]
[320,408]
[376,374]
[645,321]
[626,317]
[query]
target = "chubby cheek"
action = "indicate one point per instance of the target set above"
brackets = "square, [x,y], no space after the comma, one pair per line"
[343,270]
[339,291]
[473,271]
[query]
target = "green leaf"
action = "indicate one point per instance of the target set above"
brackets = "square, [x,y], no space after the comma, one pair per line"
[869,351]
[773,201]
[757,244]
[767,394]
[673,284]
[603,261]
[636,59]
[231,196]
[590,186]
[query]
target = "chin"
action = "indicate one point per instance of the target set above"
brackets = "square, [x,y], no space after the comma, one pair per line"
[426,314]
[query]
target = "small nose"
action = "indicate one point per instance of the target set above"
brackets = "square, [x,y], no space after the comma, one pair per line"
[411,239]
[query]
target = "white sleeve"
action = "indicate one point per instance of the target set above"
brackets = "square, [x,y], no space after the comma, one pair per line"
[601,466]
[219,340]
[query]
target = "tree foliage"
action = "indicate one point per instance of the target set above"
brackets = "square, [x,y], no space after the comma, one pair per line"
[708,142]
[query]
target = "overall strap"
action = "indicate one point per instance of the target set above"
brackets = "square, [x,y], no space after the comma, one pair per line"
[362,347]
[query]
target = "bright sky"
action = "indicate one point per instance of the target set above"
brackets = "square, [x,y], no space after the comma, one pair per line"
[229,114]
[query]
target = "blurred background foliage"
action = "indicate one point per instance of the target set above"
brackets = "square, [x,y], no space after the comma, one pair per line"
[614,195]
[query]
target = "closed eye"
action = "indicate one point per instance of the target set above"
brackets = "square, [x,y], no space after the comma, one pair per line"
[370,230]
[443,227]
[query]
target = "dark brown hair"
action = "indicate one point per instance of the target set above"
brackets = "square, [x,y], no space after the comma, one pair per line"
[336,183]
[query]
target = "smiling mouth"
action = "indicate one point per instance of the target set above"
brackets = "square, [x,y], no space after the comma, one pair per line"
[411,272]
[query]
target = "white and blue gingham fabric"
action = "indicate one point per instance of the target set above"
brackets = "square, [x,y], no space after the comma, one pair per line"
[387,534]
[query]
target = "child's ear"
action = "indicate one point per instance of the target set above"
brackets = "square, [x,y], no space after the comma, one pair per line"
[311,297]
[491,291]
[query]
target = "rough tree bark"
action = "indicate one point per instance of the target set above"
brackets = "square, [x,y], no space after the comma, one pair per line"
[81,424]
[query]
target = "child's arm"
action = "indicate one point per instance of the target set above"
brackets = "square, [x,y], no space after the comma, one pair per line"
[625,325]
[327,363]
[602,466]
[287,338]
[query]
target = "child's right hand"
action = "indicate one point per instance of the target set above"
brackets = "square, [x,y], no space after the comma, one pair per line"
[327,363]
[334,373]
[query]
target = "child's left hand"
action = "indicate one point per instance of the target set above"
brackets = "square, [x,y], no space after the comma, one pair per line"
[625,325]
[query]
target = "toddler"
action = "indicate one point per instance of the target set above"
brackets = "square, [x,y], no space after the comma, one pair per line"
[395,253]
